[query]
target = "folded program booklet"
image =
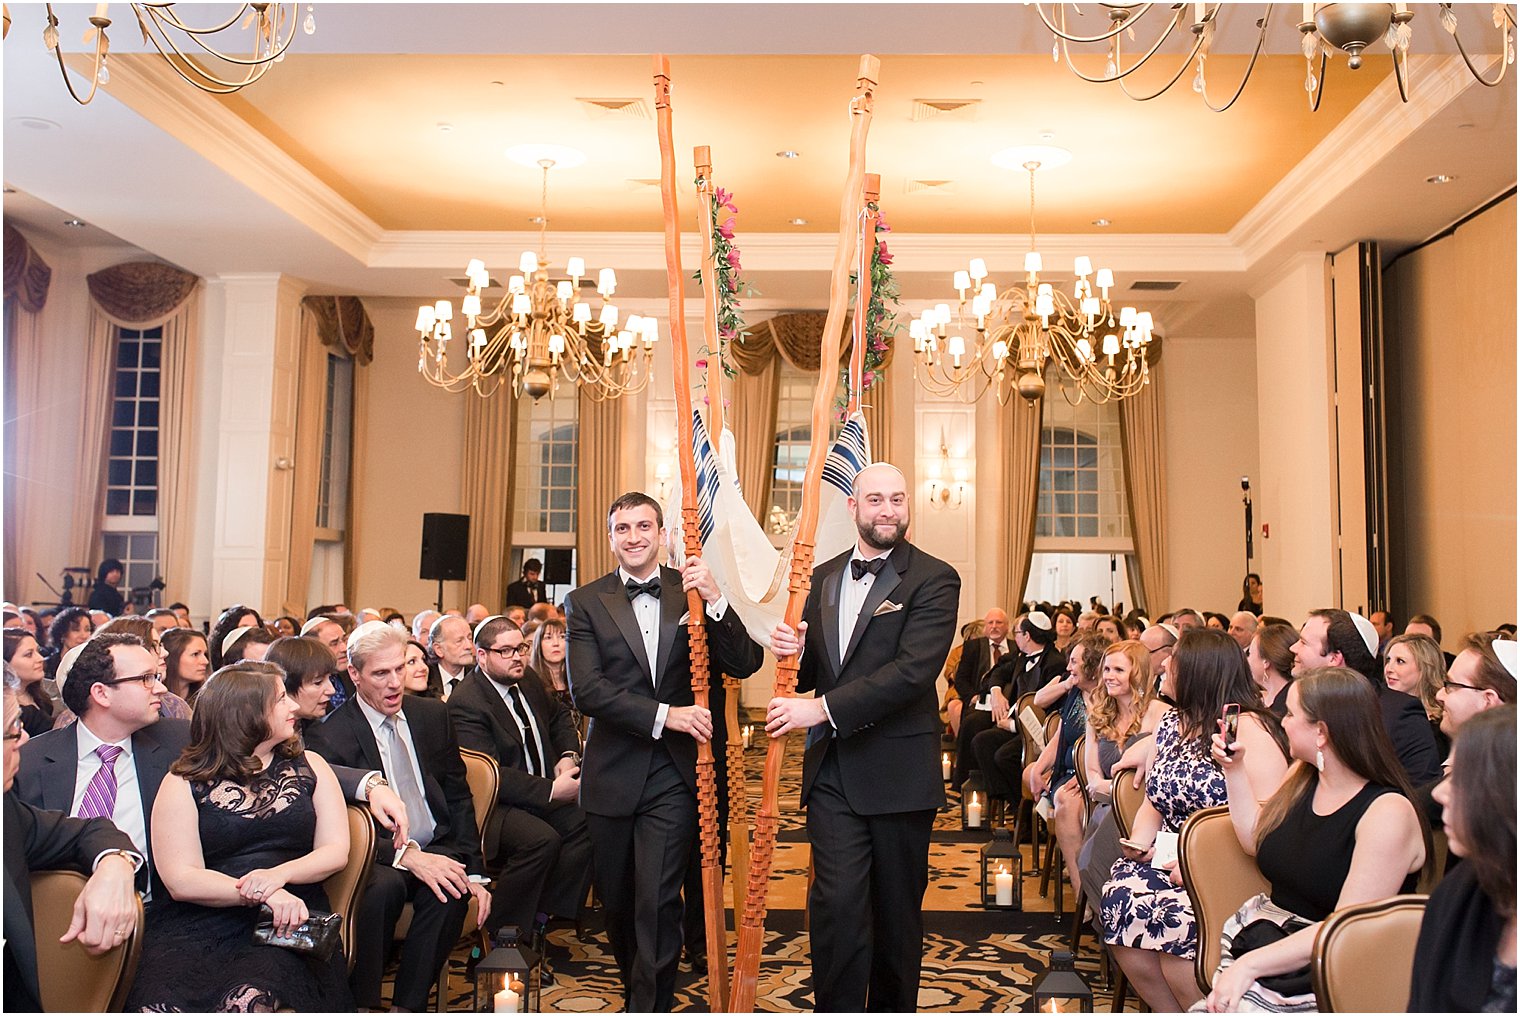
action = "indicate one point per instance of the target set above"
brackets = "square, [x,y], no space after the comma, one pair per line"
[1034,728]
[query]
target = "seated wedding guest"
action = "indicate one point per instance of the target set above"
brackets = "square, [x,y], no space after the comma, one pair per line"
[415,674]
[70,627]
[187,662]
[422,623]
[173,706]
[1242,628]
[987,731]
[235,616]
[106,911]
[182,611]
[163,620]
[246,643]
[546,661]
[247,819]
[98,618]
[1052,776]
[32,622]
[1146,915]
[950,708]
[517,614]
[1340,830]
[307,666]
[1465,958]
[1216,621]
[449,641]
[1270,660]
[1482,677]
[1135,624]
[1425,624]
[412,740]
[25,661]
[1111,627]
[328,629]
[285,626]
[1087,620]
[1413,665]
[1066,628]
[104,594]
[108,763]
[1250,594]
[978,654]
[476,613]
[1185,618]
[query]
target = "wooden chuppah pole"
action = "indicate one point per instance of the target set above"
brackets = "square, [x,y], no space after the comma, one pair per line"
[738,827]
[707,790]
[861,324]
[752,923]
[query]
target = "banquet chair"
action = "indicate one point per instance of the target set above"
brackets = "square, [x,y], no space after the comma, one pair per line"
[69,979]
[1219,876]
[1363,959]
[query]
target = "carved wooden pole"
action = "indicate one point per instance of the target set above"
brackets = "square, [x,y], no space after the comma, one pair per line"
[738,826]
[707,795]
[861,323]
[752,924]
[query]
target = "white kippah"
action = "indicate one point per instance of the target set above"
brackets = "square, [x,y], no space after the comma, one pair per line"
[475,635]
[1171,630]
[1366,631]
[365,629]
[1508,652]
[1039,619]
[66,664]
[311,624]
[231,638]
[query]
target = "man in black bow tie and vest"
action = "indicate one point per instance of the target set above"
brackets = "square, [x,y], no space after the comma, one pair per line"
[877,627]
[629,668]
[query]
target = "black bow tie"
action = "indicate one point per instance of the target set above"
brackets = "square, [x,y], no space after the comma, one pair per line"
[858,567]
[652,587]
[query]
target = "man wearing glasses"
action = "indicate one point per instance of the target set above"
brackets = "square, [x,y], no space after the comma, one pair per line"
[110,763]
[537,835]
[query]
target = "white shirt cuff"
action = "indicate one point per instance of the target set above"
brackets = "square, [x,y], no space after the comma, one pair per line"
[363,792]
[718,608]
[408,845]
[131,855]
[659,720]
[823,700]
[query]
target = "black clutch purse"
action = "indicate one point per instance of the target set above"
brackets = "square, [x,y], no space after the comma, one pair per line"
[317,936]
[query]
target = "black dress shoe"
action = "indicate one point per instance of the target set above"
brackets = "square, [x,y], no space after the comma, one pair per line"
[697,961]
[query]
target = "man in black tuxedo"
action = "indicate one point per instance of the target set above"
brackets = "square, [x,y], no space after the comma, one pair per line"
[629,667]
[1338,638]
[978,656]
[528,590]
[115,692]
[878,624]
[536,842]
[106,911]
[411,740]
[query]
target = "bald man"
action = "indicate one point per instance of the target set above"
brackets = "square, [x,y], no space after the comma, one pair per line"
[1243,628]
[476,613]
[978,656]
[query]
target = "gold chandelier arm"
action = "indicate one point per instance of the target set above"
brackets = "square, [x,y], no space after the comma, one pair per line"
[1120,75]
[161,14]
[1187,62]
[102,46]
[1503,56]
[1139,11]
[163,10]
[1261,39]
[199,76]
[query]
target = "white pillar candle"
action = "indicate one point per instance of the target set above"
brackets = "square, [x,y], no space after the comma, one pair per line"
[974,813]
[1004,885]
[506,1000]
[944,766]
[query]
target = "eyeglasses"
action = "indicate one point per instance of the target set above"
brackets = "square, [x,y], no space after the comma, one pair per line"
[13,731]
[146,680]
[522,649]
[1449,684]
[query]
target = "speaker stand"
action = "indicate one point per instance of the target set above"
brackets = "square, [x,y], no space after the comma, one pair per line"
[440,596]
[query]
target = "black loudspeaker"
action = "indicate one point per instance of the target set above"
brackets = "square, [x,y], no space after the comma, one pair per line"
[445,546]
[557,566]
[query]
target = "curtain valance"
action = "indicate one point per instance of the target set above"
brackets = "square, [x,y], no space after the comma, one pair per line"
[27,276]
[141,294]
[796,338]
[343,323]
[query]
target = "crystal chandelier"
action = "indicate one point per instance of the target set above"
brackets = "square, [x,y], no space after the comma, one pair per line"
[538,334]
[1350,28]
[1024,330]
[269,30]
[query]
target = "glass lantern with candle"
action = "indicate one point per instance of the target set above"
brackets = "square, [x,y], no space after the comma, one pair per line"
[1061,988]
[974,802]
[507,978]
[1001,867]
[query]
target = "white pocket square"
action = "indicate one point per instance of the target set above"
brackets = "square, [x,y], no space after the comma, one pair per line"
[685,619]
[887,607]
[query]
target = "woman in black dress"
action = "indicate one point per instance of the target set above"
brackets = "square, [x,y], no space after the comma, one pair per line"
[27,663]
[246,818]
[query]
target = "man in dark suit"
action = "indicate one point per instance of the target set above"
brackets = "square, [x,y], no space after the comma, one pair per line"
[412,741]
[119,742]
[452,652]
[528,590]
[536,842]
[629,667]
[106,911]
[1338,638]
[878,624]
[978,656]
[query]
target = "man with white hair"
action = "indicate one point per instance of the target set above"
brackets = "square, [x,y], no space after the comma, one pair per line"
[411,739]
[450,646]
[422,622]
[1243,628]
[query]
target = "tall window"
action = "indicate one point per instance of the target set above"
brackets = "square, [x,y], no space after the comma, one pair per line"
[547,470]
[794,436]
[337,444]
[130,532]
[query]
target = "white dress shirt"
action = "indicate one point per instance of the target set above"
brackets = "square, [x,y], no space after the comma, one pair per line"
[448,680]
[504,689]
[128,812]
[646,611]
[852,597]
[383,742]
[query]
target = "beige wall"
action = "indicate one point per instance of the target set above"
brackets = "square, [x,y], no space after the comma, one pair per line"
[1451,307]
[1211,442]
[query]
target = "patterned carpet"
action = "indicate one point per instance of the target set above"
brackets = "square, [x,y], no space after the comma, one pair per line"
[974,960]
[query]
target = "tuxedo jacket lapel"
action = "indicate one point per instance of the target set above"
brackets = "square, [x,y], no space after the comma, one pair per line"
[615,600]
[831,585]
[887,580]
[62,761]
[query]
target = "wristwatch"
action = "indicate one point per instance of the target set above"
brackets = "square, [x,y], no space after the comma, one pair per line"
[376,779]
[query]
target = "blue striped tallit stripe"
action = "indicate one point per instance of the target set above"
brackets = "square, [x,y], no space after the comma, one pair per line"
[849,455]
[706,461]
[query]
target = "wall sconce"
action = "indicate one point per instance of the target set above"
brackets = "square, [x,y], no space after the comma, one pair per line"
[946,494]
[662,475]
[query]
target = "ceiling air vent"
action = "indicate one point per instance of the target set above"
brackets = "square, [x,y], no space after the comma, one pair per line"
[1154,286]
[945,109]
[931,187]
[615,109]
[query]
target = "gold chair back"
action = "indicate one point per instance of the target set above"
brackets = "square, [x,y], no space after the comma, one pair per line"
[69,979]
[1127,800]
[345,886]
[1364,955]
[1026,701]
[1219,876]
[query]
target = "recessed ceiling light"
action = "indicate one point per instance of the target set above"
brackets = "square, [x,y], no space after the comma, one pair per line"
[787,153]
[1017,157]
[36,123]
[445,128]
[499,83]
[74,223]
[1103,222]
[1439,178]
[10,190]
[537,220]
[1047,136]
[1466,126]
[976,83]
[796,222]
[530,155]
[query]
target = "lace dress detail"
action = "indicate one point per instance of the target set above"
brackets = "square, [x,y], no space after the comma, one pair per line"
[243,826]
[1141,907]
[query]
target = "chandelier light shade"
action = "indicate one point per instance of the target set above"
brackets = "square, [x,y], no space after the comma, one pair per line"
[1348,28]
[1006,340]
[229,55]
[538,334]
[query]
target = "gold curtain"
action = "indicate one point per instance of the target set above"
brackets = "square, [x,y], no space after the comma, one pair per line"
[139,294]
[490,440]
[358,449]
[27,277]
[599,434]
[754,428]
[311,400]
[343,324]
[1020,425]
[176,444]
[1143,439]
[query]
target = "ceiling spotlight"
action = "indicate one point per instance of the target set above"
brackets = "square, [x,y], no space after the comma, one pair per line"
[787,153]
[1103,223]
[74,223]
[537,220]
[445,128]
[1439,178]
[796,222]
[35,123]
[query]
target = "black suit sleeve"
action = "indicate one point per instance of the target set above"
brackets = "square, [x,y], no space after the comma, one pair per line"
[733,651]
[965,672]
[349,781]
[476,730]
[1413,742]
[51,839]
[595,695]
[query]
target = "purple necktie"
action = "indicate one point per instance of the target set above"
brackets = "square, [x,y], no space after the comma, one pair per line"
[100,796]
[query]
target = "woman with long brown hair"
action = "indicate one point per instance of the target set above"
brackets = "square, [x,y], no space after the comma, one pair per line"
[187,662]
[1341,829]
[1270,659]
[26,661]
[1413,664]
[546,660]
[246,820]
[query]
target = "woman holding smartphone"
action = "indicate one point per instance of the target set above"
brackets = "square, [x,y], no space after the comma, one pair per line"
[1145,912]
